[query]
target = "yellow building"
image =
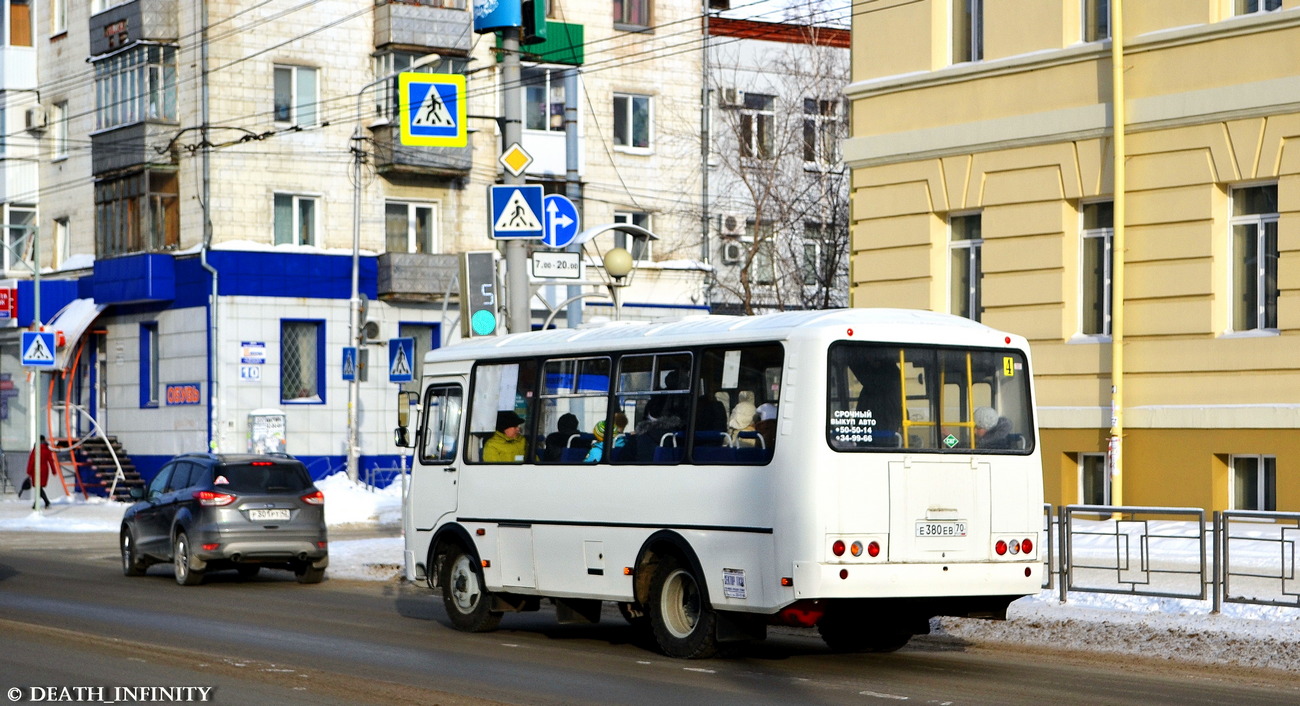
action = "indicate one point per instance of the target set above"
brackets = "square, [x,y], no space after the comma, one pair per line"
[983,157]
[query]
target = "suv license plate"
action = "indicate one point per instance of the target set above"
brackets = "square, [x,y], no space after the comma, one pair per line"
[941,529]
[268,514]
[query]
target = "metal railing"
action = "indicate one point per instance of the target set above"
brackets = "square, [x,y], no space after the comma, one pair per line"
[1236,557]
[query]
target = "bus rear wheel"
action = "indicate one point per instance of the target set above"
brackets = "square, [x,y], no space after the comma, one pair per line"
[684,624]
[464,595]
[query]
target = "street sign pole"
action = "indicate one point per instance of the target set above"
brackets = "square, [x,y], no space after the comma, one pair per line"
[519,317]
[35,422]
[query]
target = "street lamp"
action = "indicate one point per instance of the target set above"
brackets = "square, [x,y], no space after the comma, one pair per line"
[354,305]
[618,264]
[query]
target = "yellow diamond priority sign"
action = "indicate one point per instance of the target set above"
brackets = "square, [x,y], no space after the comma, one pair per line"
[515,159]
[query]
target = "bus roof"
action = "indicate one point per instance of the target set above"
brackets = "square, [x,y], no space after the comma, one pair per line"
[894,325]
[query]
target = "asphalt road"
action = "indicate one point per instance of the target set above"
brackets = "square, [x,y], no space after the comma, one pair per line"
[69,619]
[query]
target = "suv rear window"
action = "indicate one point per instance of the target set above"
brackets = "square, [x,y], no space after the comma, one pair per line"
[271,478]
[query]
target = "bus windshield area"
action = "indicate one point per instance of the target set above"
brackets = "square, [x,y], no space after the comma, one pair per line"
[935,399]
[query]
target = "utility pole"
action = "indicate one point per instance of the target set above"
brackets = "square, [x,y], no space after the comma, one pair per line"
[517,295]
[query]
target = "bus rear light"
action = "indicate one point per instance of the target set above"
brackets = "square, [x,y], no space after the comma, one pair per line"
[1000,548]
[873,549]
[1027,546]
[838,547]
[844,573]
[856,548]
[1015,547]
[1028,572]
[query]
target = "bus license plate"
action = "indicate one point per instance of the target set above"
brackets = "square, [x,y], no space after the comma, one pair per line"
[941,529]
[263,515]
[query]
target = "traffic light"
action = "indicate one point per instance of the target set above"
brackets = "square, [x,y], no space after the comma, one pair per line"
[534,18]
[478,294]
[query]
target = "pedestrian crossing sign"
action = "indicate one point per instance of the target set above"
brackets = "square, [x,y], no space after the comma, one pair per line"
[38,349]
[516,211]
[401,360]
[431,108]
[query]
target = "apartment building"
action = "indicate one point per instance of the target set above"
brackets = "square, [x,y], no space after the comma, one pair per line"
[984,184]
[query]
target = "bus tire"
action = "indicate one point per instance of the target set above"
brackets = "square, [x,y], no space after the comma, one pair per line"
[683,622]
[464,595]
[858,634]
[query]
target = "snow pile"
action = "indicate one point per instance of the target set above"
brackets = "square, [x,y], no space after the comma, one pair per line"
[349,502]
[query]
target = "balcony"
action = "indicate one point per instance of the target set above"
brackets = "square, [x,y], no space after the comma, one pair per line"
[124,25]
[394,158]
[423,23]
[131,146]
[416,277]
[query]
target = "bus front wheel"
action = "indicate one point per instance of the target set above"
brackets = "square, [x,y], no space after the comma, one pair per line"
[463,593]
[684,624]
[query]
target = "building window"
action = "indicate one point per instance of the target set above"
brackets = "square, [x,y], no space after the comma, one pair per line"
[964,246]
[21,219]
[631,120]
[632,13]
[762,265]
[149,360]
[757,122]
[295,220]
[62,241]
[1254,258]
[136,84]
[427,337]
[59,125]
[1097,262]
[296,95]
[639,247]
[1250,7]
[821,130]
[137,213]
[1096,20]
[302,347]
[1094,480]
[543,99]
[58,16]
[411,227]
[391,63]
[1254,483]
[967,30]
[20,18]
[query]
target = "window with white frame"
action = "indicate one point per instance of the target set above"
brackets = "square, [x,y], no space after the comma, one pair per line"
[22,226]
[1254,482]
[1254,258]
[757,126]
[631,120]
[967,30]
[295,219]
[1096,20]
[297,94]
[1250,7]
[62,240]
[632,13]
[20,21]
[1094,480]
[302,345]
[762,266]
[411,227]
[640,247]
[59,129]
[821,130]
[965,243]
[136,84]
[58,16]
[543,98]
[1096,267]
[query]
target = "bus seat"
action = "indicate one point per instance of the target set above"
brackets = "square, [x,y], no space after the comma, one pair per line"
[714,454]
[753,454]
[573,454]
[670,448]
[758,439]
[626,451]
[712,438]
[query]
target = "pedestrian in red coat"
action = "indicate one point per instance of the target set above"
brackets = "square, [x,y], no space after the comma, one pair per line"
[48,465]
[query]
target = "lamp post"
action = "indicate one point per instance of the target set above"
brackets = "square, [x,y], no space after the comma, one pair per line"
[354,304]
[618,264]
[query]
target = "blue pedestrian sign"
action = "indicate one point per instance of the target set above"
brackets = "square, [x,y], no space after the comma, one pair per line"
[516,211]
[432,111]
[38,349]
[401,359]
[350,363]
[561,221]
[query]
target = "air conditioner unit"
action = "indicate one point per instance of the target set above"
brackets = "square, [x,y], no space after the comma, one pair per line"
[733,252]
[731,224]
[36,119]
[731,98]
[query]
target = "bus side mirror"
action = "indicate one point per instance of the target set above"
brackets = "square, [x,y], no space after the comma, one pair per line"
[404,402]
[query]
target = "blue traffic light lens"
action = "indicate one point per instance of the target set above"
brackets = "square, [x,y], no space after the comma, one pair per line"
[483,322]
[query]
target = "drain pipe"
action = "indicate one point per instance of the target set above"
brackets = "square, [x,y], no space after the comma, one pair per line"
[214,368]
[1115,452]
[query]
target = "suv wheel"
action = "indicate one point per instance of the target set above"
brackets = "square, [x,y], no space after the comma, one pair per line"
[132,564]
[186,574]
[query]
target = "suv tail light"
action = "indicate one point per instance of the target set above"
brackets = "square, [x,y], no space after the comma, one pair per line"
[316,498]
[211,498]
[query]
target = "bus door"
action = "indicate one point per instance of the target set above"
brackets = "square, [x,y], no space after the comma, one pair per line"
[434,482]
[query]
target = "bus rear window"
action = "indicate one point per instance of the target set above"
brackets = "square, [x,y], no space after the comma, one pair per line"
[928,399]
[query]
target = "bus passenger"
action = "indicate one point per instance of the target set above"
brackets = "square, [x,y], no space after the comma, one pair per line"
[508,444]
[991,430]
[557,440]
[598,446]
[766,423]
[742,419]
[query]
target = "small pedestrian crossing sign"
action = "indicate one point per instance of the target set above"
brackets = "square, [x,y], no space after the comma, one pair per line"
[432,110]
[401,357]
[516,211]
[38,349]
[350,363]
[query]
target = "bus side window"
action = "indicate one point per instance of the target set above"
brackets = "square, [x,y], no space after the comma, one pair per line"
[441,428]
[733,382]
[499,388]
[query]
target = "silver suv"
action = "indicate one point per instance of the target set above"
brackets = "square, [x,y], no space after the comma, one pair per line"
[205,512]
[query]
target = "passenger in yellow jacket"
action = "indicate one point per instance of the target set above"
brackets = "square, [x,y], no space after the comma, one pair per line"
[508,444]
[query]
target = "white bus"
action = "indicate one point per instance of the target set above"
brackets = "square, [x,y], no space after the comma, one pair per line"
[859,471]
